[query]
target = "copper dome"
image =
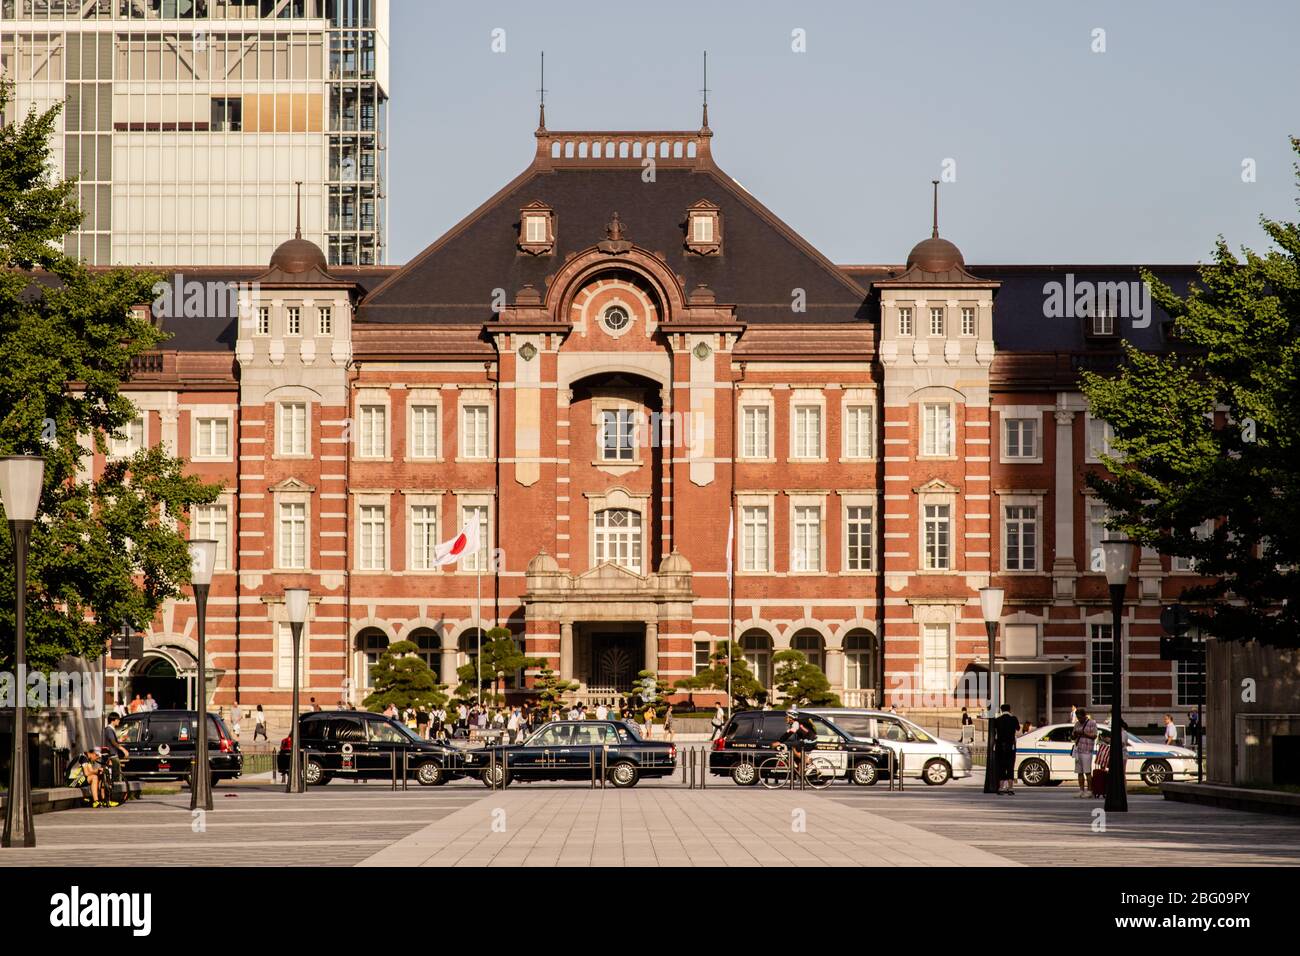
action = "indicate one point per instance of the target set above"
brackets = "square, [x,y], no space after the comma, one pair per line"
[295,256]
[935,255]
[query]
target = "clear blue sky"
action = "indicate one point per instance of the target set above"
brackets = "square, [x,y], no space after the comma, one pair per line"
[1063,155]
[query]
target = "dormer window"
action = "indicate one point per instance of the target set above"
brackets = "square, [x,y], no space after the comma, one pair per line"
[537,229]
[704,228]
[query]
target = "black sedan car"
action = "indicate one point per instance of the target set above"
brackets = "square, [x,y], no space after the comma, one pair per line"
[751,735]
[359,744]
[577,750]
[162,744]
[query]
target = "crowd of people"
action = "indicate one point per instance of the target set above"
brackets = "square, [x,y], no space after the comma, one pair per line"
[517,721]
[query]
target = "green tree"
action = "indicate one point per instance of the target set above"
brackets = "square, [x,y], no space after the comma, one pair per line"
[1183,464]
[550,689]
[500,652]
[801,684]
[402,677]
[747,692]
[103,550]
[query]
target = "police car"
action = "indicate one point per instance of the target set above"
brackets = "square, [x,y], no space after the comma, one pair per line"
[1044,757]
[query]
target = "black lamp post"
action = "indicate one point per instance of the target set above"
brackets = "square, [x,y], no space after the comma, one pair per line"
[295,606]
[1119,555]
[21,477]
[991,608]
[203,554]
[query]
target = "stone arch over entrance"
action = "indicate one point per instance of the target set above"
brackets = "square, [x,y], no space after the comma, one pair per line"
[757,646]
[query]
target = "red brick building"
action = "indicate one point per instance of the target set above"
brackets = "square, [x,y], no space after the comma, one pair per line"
[599,365]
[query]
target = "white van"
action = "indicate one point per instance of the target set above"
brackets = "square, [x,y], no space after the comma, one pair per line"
[922,755]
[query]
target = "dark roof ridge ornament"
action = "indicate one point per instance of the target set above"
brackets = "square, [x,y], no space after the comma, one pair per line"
[704,126]
[541,104]
[615,240]
[297,229]
[934,233]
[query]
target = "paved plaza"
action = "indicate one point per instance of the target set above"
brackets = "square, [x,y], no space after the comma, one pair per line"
[659,823]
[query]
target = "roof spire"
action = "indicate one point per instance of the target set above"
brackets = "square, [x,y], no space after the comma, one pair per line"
[705,91]
[935,232]
[297,230]
[541,105]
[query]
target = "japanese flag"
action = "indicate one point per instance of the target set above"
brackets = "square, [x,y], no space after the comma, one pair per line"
[449,552]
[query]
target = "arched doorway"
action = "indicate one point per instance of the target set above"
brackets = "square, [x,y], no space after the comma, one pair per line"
[859,660]
[157,675]
[756,649]
[809,643]
[371,642]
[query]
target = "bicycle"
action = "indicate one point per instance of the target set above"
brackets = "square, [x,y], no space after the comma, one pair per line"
[775,771]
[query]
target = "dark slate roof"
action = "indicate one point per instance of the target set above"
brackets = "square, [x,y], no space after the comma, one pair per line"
[761,264]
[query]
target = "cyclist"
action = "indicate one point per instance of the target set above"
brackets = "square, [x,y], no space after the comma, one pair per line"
[114,745]
[800,736]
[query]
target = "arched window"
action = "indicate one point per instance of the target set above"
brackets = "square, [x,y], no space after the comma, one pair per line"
[859,660]
[429,647]
[756,649]
[810,643]
[372,642]
[617,538]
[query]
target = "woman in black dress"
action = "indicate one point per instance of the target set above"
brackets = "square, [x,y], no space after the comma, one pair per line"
[1005,729]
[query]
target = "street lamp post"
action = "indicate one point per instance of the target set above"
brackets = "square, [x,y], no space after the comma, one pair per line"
[21,477]
[203,554]
[1119,555]
[991,608]
[295,606]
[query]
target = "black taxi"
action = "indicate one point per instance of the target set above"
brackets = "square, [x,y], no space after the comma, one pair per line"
[750,737]
[162,744]
[577,750]
[360,745]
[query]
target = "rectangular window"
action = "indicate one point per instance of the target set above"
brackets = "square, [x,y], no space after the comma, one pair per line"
[1100,436]
[293,320]
[1103,322]
[284,657]
[211,522]
[936,429]
[291,429]
[807,431]
[325,320]
[1098,515]
[476,514]
[936,321]
[904,321]
[703,228]
[227,115]
[535,229]
[703,651]
[617,429]
[372,548]
[293,535]
[1101,667]
[807,539]
[213,438]
[264,320]
[858,432]
[754,538]
[857,533]
[424,431]
[1021,437]
[424,537]
[967,321]
[474,431]
[935,662]
[938,537]
[1021,537]
[1189,680]
[373,433]
[755,432]
[128,439]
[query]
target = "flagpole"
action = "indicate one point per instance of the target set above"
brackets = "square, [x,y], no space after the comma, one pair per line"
[478,627]
[731,599]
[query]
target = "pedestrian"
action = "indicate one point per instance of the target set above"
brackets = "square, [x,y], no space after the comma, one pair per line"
[668,724]
[1171,731]
[1004,749]
[1100,770]
[512,725]
[422,721]
[462,716]
[259,725]
[236,717]
[1085,739]
[136,705]
[1074,715]
[150,703]
[719,718]
[316,706]
[649,716]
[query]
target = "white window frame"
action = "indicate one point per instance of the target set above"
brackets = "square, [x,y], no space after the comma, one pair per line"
[848,504]
[295,450]
[466,452]
[754,514]
[760,449]
[905,326]
[119,448]
[371,555]
[801,506]
[1018,524]
[414,560]
[470,564]
[935,678]
[1096,534]
[945,522]
[939,320]
[282,503]
[1095,629]
[1092,451]
[263,327]
[930,447]
[702,228]
[969,321]
[535,228]
[284,656]
[293,320]
[1007,418]
[204,525]
[852,432]
[418,398]
[624,449]
[324,320]
[802,403]
[201,416]
[372,428]
[631,539]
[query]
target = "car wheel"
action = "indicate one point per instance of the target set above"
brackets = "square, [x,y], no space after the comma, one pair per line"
[744,774]
[936,773]
[623,774]
[1156,772]
[1034,773]
[313,774]
[865,773]
[429,774]
[495,776]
